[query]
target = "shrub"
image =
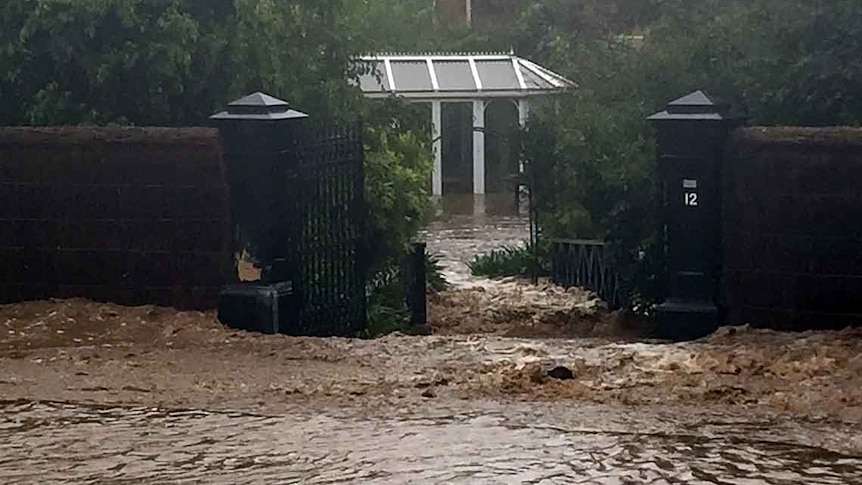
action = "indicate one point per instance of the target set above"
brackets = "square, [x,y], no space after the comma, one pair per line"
[434,278]
[387,297]
[510,261]
[387,309]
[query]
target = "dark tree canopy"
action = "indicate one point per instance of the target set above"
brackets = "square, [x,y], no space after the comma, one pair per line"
[167,62]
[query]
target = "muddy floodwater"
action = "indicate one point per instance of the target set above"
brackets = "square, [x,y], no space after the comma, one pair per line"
[61,443]
[468,229]
[101,394]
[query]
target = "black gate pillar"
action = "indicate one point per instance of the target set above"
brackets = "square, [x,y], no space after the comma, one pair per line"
[692,132]
[257,133]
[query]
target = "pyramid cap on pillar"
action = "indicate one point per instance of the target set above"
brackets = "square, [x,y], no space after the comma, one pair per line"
[258,106]
[695,106]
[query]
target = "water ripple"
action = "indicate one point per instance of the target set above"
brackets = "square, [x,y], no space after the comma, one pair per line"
[54,443]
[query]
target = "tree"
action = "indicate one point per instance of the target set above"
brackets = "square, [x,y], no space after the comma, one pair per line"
[169,62]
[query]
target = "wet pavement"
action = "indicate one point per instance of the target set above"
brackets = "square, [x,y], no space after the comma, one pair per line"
[63,443]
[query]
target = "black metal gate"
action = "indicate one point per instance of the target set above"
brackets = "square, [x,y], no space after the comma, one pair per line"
[586,264]
[326,209]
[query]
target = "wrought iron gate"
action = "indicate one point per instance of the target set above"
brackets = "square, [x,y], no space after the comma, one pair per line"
[326,209]
[586,264]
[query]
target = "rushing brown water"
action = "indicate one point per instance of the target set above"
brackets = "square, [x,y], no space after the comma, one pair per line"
[460,234]
[472,434]
[56,443]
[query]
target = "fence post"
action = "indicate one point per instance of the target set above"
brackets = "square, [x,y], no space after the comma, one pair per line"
[692,133]
[416,286]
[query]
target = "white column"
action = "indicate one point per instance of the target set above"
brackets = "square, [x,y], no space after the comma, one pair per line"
[479,147]
[468,5]
[523,111]
[523,117]
[436,133]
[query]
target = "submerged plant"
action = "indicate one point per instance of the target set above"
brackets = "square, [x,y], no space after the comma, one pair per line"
[510,261]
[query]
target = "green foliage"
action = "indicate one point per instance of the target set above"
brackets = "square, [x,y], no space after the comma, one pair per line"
[397,170]
[779,61]
[434,278]
[394,25]
[510,261]
[387,297]
[387,310]
[168,62]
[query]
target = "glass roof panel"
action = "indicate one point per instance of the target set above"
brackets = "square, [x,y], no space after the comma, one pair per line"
[533,80]
[454,76]
[374,79]
[411,76]
[497,75]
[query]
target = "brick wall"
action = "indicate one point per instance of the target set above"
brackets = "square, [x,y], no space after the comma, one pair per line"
[793,227]
[128,215]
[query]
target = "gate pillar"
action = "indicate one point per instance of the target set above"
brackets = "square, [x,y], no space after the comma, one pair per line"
[691,132]
[256,131]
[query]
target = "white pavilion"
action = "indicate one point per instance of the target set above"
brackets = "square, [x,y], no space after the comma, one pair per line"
[474,98]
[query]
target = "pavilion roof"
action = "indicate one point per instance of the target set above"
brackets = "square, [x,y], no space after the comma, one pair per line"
[456,75]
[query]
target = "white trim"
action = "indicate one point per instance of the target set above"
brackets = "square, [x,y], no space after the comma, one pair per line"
[541,73]
[435,57]
[433,73]
[479,147]
[475,72]
[520,75]
[461,95]
[523,112]
[437,143]
[389,75]
[523,117]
